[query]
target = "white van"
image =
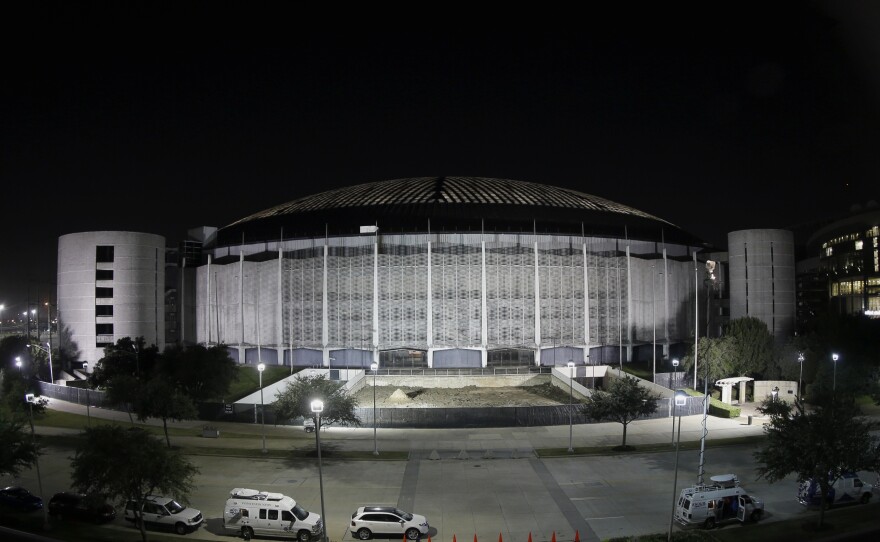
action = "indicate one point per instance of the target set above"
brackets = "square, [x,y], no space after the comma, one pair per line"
[252,512]
[719,502]
[847,488]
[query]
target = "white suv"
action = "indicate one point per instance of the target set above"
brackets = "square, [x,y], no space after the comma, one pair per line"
[368,521]
[166,512]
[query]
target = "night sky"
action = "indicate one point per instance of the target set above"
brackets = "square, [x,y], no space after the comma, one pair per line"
[735,116]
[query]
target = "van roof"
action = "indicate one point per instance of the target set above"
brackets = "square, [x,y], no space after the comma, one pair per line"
[255,494]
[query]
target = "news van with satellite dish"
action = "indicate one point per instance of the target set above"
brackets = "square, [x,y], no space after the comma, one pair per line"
[721,501]
[253,512]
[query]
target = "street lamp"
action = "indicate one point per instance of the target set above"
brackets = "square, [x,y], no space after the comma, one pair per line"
[260,368]
[654,327]
[834,358]
[570,402]
[49,351]
[680,400]
[318,407]
[18,364]
[1,318]
[674,370]
[801,377]
[375,368]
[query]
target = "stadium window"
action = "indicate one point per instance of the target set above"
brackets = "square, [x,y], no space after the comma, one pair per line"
[104,329]
[103,292]
[103,274]
[103,310]
[104,253]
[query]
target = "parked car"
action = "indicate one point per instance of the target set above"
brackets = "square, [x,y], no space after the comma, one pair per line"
[166,512]
[82,507]
[369,521]
[19,498]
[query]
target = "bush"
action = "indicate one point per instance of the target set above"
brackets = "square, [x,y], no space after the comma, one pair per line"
[723,410]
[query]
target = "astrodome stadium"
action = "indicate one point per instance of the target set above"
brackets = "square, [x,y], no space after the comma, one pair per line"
[446,272]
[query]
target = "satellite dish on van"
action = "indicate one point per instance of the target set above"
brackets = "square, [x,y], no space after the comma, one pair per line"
[725,480]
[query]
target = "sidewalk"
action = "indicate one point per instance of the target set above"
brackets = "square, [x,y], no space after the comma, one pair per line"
[521,439]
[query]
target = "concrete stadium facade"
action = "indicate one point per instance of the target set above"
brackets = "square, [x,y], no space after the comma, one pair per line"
[762,278]
[446,272]
[111,284]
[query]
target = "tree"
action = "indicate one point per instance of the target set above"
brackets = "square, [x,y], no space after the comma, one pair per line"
[819,444]
[295,401]
[161,399]
[129,465]
[19,450]
[754,345]
[202,373]
[624,402]
[123,370]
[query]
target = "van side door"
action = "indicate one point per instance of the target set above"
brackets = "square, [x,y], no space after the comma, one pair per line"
[741,511]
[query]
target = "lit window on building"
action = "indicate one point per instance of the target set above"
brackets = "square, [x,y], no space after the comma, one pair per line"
[829,251]
[835,290]
[860,245]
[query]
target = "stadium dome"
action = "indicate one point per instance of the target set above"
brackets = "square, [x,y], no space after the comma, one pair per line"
[451,204]
[444,272]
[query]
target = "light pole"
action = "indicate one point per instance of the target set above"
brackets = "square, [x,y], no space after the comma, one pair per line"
[18,364]
[260,368]
[375,368]
[49,351]
[29,397]
[674,370]
[680,400]
[570,402]
[834,358]
[1,318]
[318,407]
[654,327]
[801,377]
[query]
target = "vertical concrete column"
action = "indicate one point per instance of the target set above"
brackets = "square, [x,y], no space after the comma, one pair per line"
[208,304]
[484,325]
[537,304]
[376,299]
[279,328]
[629,307]
[665,305]
[325,320]
[430,315]
[586,302]
[242,350]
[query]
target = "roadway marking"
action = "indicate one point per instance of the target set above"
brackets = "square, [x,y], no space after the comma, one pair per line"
[608,517]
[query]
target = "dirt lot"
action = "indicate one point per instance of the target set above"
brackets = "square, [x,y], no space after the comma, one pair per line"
[470,396]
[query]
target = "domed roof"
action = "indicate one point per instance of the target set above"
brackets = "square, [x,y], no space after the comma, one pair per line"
[448,204]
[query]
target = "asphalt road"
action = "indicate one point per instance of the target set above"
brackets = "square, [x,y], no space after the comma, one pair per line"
[597,496]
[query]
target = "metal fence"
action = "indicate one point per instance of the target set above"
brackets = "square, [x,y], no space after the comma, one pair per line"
[72,394]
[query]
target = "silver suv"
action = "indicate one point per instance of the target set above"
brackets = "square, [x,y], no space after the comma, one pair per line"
[368,521]
[166,512]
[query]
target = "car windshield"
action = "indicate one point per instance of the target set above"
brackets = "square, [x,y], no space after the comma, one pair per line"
[299,512]
[405,515]
[175,507]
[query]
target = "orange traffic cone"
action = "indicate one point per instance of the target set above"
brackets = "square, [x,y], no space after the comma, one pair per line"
[499,538]
[475,537]
[530,536]
[553,538]
[429,538]
[453,537]
[577,537]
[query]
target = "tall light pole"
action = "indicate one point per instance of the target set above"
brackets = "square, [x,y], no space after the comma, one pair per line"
[834,358]
[675,370]
[318,407]
[654,327]
[1,318]
[48,351]
[260,368]
[29,397]
[680,400]
[570,402]
[801,377]
[375,368]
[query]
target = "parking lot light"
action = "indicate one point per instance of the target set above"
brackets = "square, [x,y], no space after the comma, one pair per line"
[318,407]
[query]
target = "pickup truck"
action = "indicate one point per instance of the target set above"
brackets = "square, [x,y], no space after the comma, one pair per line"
[309,425]
[847,489]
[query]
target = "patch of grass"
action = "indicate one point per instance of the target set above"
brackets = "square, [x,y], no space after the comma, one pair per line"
[645,448]
[247,380]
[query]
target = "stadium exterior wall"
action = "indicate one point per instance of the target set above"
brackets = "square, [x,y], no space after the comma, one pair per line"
[129,278]
[338,301]
[762,278]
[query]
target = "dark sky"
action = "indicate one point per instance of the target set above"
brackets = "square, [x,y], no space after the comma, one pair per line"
[740,115]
